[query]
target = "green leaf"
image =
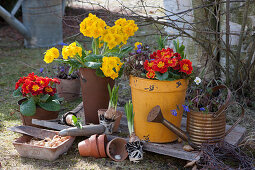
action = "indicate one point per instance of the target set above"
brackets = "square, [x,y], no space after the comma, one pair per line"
[74,119]
[53,105]
[28,107]
[175,45]
[114,50]
[17,93]
[182,48]
[77,122]
[174,76]
[99,73]
[161,76]
[126,50]
[93,57]
[130,116]
[93,65]
[44,98]
[114,55]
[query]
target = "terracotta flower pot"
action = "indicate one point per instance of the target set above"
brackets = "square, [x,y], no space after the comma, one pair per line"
[115,147]
[69,89]
[116,122]
[95,94]
[101,144]
[84,148]
[89,147]
[40,114]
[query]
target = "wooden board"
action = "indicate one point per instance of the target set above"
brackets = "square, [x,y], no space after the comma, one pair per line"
[173,149]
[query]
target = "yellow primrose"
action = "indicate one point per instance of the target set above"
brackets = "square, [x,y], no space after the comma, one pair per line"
[51,54]
[111,66]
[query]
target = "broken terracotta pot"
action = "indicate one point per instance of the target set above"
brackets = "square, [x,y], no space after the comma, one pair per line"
[116,149]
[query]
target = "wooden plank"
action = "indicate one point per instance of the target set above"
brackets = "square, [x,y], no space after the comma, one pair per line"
[32,131]
[49,124]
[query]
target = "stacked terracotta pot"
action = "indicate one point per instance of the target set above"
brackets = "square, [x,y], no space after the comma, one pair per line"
[97,146]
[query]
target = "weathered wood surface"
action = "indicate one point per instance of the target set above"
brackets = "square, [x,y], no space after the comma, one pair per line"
[86,130]
[173,149]
[33,131]
[52,124]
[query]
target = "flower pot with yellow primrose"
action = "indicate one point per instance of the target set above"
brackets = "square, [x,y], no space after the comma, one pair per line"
[158,78]
[102,65]
[40,100]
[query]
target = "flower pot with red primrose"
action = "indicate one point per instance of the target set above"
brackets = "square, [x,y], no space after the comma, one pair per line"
[40,102]
[89,147]
[134,146]
[99,66]
[158,78]
[111,117]
[116,149]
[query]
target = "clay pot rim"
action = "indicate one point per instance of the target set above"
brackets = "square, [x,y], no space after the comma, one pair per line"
[94,138]
[102,148]
[108,147]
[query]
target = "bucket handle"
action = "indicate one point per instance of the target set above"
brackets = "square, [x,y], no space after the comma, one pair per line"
[238,120]
[226,104]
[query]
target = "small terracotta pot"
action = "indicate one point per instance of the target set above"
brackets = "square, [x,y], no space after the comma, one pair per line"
[84,148]
[116,122]
[115,147]
[69,89]
[101,144]
[94,146]
[40,114]
[88,147]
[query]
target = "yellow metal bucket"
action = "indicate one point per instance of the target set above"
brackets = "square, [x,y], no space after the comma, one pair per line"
[146,94]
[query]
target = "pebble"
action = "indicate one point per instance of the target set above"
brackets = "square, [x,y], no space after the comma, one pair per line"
[187,148]
[118,157]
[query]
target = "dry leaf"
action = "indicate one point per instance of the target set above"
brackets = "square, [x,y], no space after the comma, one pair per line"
[189,164]
[179,140]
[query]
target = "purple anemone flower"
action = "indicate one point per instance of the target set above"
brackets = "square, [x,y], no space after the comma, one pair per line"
[185,108]
[41,70]
[139,51]
[174,112]
[202,109]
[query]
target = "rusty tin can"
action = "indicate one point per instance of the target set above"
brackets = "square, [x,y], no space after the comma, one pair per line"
[205,127]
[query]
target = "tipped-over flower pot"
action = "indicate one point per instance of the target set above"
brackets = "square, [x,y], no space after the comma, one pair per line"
[89,147]
[116,149]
